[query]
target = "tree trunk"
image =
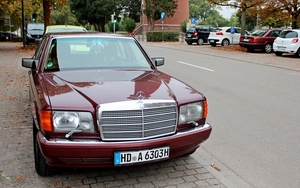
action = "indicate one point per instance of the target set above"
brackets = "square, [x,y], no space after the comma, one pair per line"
[150,23]
[243,22]
[47,11]
[294,20]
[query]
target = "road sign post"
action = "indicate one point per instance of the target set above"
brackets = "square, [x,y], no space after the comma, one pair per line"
[162,16]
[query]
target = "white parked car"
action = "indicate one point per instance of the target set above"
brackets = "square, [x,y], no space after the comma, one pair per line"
[288,41]
[223,36]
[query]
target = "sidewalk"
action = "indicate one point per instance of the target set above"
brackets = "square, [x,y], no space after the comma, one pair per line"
[16,156]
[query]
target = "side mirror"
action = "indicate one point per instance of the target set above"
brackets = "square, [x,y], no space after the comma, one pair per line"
[158,61]
[28,63]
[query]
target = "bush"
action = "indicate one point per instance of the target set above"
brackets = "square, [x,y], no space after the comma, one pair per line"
[183,26]
[167,36]
[129,25]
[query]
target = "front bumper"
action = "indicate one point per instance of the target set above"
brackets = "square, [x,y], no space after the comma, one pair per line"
[99,154]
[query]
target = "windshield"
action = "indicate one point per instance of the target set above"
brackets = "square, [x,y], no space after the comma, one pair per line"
[35,26]
[259,33]
[95,53]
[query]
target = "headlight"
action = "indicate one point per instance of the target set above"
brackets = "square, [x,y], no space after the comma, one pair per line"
[191,112]
[68,121]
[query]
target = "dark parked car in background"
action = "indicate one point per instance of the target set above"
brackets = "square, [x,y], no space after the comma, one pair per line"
[260,39]
[97,100]
[33,31]
[198,34]
[7,35]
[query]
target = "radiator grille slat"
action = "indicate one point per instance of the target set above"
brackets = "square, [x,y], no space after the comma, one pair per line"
[138,124]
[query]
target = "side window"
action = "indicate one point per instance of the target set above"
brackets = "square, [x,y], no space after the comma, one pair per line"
[205,28]
[228,30]
[237,30]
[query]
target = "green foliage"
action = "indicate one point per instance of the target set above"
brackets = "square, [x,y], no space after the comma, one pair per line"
[110,26]
[167,36]
[63,17]
[129,25]
[183,26]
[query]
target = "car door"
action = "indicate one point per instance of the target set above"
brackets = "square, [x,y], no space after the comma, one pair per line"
[237,35]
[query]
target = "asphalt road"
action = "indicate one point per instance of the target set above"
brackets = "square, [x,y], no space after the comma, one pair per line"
[254,109]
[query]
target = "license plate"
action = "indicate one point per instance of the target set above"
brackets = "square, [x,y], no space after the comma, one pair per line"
[129,157]
[211,41]
[246,40]
[281,47]
[189,35]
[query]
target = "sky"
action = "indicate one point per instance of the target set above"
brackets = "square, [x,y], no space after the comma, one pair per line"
[226,12]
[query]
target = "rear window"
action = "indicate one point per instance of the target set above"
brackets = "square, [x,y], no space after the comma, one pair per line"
[191,30]
[288,34]
[259,33]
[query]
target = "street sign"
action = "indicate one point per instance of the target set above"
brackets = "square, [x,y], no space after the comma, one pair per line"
[193,21]
[162,15]
[232,30]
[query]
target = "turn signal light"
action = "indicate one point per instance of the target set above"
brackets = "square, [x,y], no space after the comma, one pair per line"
[46,120]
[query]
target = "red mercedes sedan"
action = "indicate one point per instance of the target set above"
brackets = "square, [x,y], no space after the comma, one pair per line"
[98,100]
[260,39]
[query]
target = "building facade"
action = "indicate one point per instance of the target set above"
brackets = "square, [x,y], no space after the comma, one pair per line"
[169,23]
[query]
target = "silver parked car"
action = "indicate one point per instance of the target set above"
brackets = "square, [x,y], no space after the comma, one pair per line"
[288,41]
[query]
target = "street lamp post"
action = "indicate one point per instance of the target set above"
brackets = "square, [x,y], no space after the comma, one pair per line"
[142,8]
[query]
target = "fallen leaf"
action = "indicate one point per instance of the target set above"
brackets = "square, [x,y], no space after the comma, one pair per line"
[20,177]
[215,167]
[56,183]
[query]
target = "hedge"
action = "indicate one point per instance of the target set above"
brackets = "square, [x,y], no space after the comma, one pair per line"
[167,36]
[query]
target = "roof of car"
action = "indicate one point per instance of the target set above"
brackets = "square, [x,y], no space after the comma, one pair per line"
[85,34]
[64,26]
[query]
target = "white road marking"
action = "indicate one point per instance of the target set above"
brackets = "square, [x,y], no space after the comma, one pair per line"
[195,66]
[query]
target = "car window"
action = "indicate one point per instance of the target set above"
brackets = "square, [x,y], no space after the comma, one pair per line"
[274,33]
[85,53]
[237,30]
[288,34]
[259,32]
[205,28]
[191,30]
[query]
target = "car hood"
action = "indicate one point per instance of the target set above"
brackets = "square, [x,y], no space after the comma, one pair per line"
[86,90]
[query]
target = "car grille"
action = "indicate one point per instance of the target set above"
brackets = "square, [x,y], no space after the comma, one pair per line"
[136,120]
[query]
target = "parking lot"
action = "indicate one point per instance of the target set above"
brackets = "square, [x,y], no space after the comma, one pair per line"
[16,157]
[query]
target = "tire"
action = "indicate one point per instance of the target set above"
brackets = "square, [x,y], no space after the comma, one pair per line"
[41,167]
[268,48]
[26,41]
[225,42]
[200,41]
[278,53]
[189,43]
[297,54]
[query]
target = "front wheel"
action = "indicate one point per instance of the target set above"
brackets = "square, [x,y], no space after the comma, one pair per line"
[268,48]
[225,42]
[278,53]
[189,43]
[41,167]
[200,41]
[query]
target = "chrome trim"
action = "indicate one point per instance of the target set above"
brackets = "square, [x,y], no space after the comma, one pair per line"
[86,141]
[137,120]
